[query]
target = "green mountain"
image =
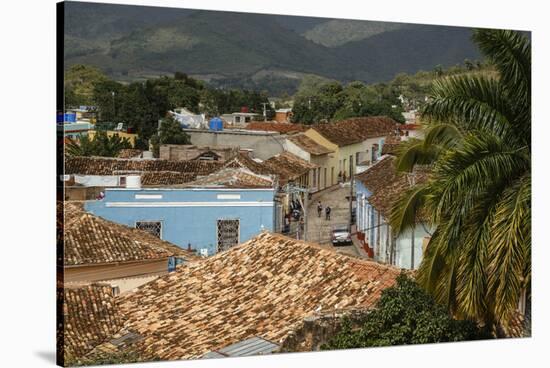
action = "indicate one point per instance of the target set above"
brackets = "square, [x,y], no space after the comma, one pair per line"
[337,32]
[266,52]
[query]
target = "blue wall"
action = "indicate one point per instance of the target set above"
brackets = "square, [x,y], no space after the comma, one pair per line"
[189,216]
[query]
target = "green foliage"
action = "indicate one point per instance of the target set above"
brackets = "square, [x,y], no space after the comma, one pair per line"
[329,101]
[478,143]
[79,84]
[217,101]
[100,145]
[170,132]
[404,314]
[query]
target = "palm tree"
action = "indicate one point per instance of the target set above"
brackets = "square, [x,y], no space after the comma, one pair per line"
[478,198]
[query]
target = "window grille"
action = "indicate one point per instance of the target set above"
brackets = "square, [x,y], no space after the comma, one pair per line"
[152,227]
[228,234]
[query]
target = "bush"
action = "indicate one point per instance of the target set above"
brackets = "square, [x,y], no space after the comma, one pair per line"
[405,314]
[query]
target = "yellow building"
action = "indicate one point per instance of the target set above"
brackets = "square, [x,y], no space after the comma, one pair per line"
[130,136]
[352,141]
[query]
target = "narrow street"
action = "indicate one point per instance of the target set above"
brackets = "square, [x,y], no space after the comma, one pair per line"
[319,229]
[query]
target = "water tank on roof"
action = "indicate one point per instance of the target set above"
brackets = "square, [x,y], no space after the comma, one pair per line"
[216,124]
[70,117]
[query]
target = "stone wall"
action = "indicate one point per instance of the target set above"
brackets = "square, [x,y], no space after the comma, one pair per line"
[317,329]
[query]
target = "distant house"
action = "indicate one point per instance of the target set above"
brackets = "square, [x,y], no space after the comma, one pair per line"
[248,300]
[75,130]
[209,215]
[184,152]
[311,151]
[291,168]
[377,190]
[87,176]
[283,115]
[410,116]
[121,132]
[263,144]
[95,249]
[412,130]
[239,118]
[353,141]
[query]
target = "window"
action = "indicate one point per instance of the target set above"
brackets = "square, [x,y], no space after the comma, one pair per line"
[228,234]
[152,227]
[122,181]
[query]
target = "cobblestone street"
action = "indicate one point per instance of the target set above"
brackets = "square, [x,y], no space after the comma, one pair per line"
[319,229]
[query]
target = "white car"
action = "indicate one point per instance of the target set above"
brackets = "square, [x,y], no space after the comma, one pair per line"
[341,236]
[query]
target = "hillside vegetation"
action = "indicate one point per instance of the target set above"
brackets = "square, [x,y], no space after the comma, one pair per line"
[264,52]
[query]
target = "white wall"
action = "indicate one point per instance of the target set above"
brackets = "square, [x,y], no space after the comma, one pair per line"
[97,180]
[294,149]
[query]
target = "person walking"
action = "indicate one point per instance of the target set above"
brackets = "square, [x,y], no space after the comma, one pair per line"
[327,212]
[319,209]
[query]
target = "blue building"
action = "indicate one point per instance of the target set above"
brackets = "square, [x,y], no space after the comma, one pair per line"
[377,189]
[209,215]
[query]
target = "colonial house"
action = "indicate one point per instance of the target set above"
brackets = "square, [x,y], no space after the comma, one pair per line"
[209,215]
[377,190]
[95,249]
[292,169]
[86,177]
[353,141]
[240,302]
[309,150]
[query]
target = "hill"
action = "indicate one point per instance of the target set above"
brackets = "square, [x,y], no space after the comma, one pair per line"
[265,52]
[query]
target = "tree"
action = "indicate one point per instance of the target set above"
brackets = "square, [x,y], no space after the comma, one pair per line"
[100,145]
[478,144]
[170,132]
[405,314]
[79,82]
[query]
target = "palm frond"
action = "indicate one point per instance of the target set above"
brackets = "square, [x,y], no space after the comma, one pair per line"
[509,248]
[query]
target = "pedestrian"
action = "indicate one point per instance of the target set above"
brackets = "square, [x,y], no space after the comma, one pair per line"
[319,209]
[327,212]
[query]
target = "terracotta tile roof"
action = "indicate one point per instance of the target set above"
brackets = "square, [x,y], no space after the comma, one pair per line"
[356,130]
[289,166]
[391,144]
[156,178]
[90,315]
[386,183]
[282,128]
[92,240]
[244,161]
[309,145]
[410,126]
[260,288]
[129,153]
[233,178]
[110,166]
